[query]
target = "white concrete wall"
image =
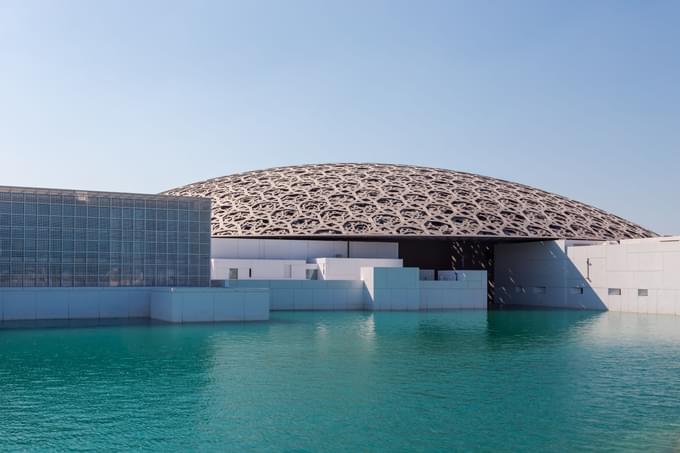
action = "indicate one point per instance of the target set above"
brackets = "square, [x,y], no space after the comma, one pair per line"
[467,291]
[73,303]
[392,288]
[350,268]
[260,269]
[32,304]
[373,250]
[402,289]
[233,248]
[652,265]
[532,274]
[280,269]
[579,275]
[184,305]
[378,289]
[310,294]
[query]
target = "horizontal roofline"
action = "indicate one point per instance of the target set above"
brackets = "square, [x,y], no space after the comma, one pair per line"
[395,237]
[76,192]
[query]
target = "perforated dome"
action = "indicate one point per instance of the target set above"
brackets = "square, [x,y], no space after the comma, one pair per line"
[379,200]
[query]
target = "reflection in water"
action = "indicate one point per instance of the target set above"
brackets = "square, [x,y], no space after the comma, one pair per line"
[632,329]
[449,381]
[534,326]
[367,327]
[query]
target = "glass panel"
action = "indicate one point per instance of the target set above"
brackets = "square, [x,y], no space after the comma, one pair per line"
[59,239]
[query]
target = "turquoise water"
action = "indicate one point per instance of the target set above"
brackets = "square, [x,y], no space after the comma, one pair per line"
[353,381]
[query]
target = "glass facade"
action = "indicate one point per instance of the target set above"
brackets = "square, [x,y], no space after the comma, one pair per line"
[55,238]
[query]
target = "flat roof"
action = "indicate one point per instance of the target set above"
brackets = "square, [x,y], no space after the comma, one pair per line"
[78,192]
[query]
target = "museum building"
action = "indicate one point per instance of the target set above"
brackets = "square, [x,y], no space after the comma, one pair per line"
[326,237]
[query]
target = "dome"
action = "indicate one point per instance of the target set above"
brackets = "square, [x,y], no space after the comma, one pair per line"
[392,201]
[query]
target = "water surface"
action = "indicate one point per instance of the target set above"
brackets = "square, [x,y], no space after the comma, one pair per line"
[348,381]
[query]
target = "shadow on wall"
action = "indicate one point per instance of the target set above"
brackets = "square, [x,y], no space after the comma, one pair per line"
[445,254]
[540,274]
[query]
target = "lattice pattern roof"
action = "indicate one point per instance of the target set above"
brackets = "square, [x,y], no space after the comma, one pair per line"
[380,200]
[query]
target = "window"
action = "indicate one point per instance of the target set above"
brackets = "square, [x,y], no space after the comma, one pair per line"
[233,273]
[539,290]
[576,290]
[614,291]
[312,274]
[643,292]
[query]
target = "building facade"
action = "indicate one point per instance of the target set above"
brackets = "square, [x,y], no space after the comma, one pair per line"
[326,237]
[633,275]
[65,238]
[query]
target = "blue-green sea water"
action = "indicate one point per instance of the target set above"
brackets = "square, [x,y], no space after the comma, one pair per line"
[334,382]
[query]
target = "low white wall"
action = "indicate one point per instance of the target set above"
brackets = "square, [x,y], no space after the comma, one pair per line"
[401,289]
[183,305]
[309,294]
[245,300]
[350,268]
[307,250]
[392,288]
[580,275]
[467,291]
[264,269]
[73,303]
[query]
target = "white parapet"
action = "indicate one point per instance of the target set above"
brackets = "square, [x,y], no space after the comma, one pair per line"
[309,294]
[259,269]
[183,305]
[402,289]
[378,289]
[167,304]
[462,290]
[350,268]
[30,304]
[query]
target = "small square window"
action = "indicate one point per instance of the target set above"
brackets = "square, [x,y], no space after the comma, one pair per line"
[614,291]
[643,292]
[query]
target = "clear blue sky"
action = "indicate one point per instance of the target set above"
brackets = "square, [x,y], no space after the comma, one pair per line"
[581,98]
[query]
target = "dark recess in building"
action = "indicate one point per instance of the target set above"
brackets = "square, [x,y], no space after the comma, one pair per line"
[450,255]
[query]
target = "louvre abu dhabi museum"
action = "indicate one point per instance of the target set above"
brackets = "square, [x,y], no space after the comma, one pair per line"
[394,202]
[324,237]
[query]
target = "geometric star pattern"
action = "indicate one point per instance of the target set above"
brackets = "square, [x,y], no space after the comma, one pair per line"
[384,200]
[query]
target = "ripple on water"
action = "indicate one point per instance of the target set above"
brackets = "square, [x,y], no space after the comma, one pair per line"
[502,381]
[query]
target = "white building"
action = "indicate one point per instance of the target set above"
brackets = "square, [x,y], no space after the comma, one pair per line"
[327,236]
[277,259]
[635,275]
[340,275]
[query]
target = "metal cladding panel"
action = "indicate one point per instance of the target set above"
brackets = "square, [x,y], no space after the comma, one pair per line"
[386,201]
